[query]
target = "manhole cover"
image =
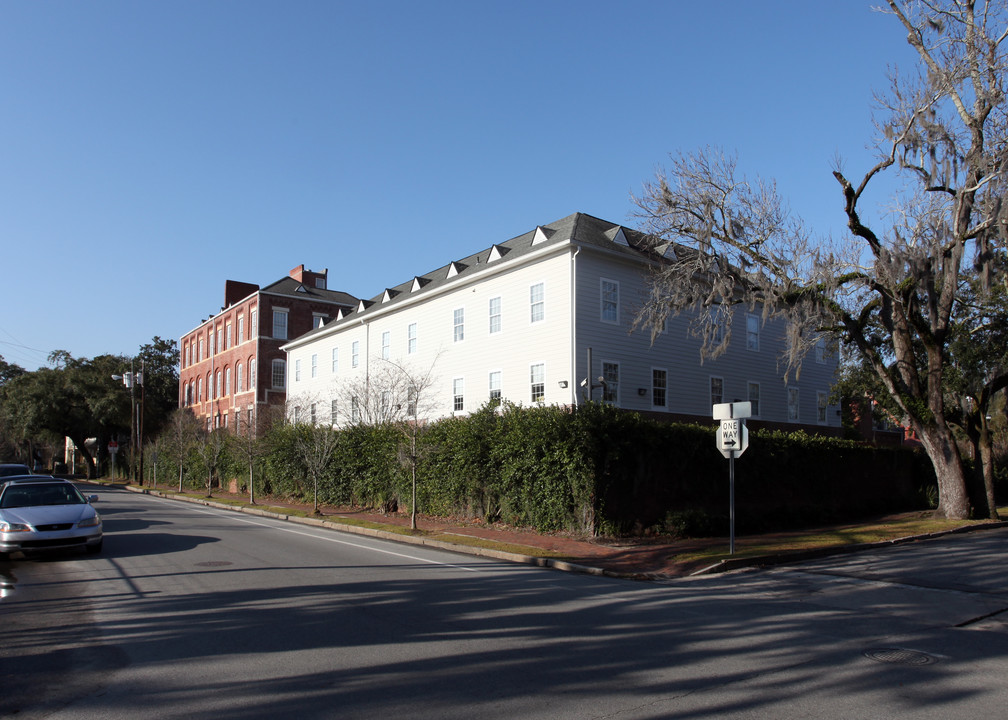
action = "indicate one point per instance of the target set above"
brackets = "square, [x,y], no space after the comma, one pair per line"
[900,656]
[214,563]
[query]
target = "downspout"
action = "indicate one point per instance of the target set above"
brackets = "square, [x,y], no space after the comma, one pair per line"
[573,383]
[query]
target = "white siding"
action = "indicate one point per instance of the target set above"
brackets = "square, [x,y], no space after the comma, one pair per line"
[512,351]
[558,342]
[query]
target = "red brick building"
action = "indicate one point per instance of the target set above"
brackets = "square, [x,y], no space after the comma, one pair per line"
[232,367]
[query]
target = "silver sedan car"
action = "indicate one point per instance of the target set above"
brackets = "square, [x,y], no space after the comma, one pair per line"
[42,513]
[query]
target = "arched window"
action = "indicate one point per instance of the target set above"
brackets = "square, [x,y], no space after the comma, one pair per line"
[217,387]
[199,389]
[239,378]
[279,374]
[227,381]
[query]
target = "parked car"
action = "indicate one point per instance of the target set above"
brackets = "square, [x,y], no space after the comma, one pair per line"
[42,513]
[9,469]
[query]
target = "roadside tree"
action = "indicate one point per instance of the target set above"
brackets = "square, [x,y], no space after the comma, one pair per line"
[890,289]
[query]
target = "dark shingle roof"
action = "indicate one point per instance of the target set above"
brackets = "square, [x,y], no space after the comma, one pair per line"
[293,288]
[576,229]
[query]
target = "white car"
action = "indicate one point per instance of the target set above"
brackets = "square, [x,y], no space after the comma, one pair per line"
[43,513]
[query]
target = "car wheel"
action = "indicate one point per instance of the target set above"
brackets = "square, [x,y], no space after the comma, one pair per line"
[94,549]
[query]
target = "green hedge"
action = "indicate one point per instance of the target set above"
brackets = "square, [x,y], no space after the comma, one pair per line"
[595,470]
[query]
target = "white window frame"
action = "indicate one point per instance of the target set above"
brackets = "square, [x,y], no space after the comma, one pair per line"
[820,351]
[458,325]
[610,394]
[241,329]
[496,324]
[664,388]
[314,365]
[239,377]
[411,338]
[355,353]
[278,369]
[386,344]
[535,304]
[541,384]
[606,302]
[497,375]
[793,404]
[710,386]
[335,360]
[281,325]
[297,370]
[458,394]
[752,332]
[822,407]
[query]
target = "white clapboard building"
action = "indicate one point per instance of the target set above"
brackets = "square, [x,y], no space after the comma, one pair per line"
[519,320]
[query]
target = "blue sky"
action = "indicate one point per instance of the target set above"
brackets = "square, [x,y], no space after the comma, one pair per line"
[150,151]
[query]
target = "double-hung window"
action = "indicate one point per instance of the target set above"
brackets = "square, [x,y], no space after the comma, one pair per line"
[659,387]
[355,353]
[239,378]
[458,394]
[495,315]
[752,332]
[537,302]
[386,344]
[411,338]
[280,324]
[241,329]
[495,385]
[335,360]
[716,391]
[610,301]
[538,382]
[753,395]
[821,403]
[610,388]
[314,365]
[458,325]
[297,370]
[792,404]
[279,378]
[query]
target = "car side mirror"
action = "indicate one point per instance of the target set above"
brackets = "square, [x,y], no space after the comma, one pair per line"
[92,498]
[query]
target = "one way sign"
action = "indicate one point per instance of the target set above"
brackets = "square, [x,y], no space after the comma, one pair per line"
[732,437]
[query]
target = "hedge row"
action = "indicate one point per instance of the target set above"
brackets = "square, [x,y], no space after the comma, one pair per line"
[595,470]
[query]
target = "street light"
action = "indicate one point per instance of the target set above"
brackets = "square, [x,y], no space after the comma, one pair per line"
[131,380]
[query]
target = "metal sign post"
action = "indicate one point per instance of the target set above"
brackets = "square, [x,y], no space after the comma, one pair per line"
[732,441]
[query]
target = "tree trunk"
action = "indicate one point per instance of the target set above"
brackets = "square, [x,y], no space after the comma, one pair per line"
[985,461]
[953,501]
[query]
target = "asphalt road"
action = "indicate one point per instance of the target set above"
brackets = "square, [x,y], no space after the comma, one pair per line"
[201,613]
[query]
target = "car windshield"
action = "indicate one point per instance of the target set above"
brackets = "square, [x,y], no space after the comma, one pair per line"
[15,496]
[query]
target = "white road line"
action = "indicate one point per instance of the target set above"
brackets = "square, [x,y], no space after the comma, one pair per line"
[327,538]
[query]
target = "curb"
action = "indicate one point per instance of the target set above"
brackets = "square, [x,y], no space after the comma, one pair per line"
[337,526]
[730,564]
